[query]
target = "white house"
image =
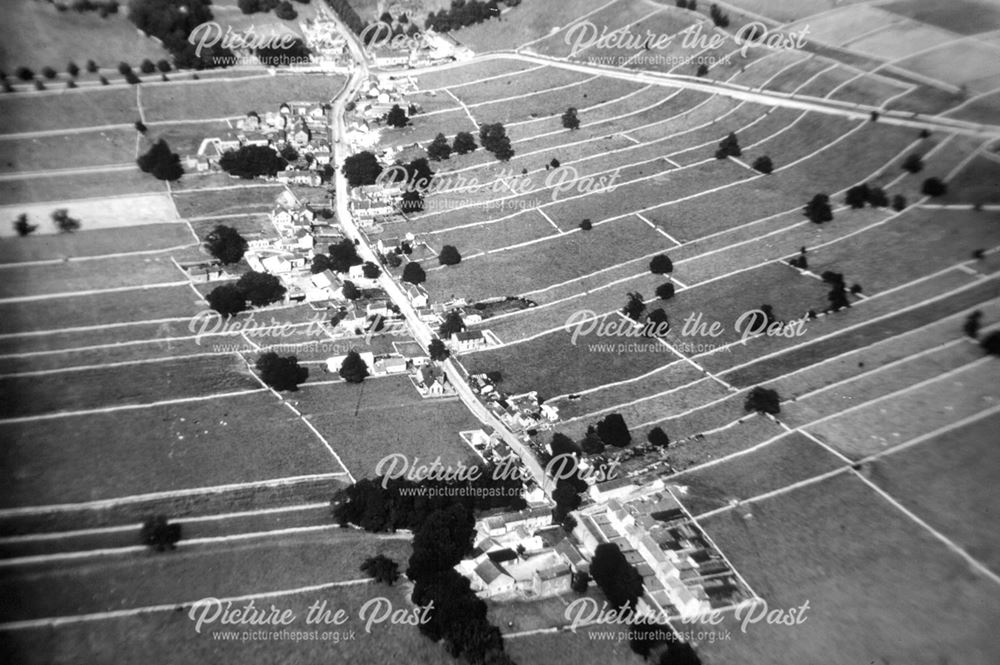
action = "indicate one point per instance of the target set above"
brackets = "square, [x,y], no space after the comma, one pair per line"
[468,340]
[417,295]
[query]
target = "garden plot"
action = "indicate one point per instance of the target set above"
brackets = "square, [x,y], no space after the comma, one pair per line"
[106,147]
[122,271]
[781,545]
[124,385]
[79,109]
[791,458]
[246,224]
[94,242]
[875,427]
[171,635]
[965,17]
[423,128]
[766,358]
[217,570]
[827,402]
[385,416]
[204,443]
[536,265]
[954,235]
[243,200]
[63,191]
[103,309]
[969,63]
[235,98]
[923,478]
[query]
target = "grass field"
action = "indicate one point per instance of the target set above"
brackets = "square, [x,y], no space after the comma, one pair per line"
[84,275]
[141,192]
[97,148]
[94,242]
[236,200]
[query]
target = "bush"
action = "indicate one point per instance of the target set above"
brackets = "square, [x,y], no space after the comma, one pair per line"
[702,70]
[281,373]
[64,223]
[48,73]
[913,163]
[381,568]
[763,400]
[728,147]
[586,225]
[898,202]
[570,120]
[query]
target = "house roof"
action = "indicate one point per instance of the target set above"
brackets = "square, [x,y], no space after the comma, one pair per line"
[488,571]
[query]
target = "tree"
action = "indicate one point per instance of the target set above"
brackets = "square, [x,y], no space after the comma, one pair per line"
[92,67]
[591,444]
[560,444]
[437,350]
[160,162]
[260,288]
[361,169]
[285,11]
[163,66]
[227,299]
[251,161]
[818,209]
[350,290]
[159,534]
[913,163]
[702,70]
[661,265]
[39,85]
[124,68]
[381,568]
[289,153]
[24,74]
[991,343]
[452,324]
[449,256]
[613,430]
[619,580]
[147,66]
[397,117]
[72,69]
[857,196]
[763,400]
[972,324]
[570,120]
[580,582]
[763,164]
[634,306]
[103,80]
[343,255]
[439,148]
[23,227]
[934,187]
[877,197]
[370,270]
[64,222]
[665,291]
[718,16]
[504,151]
[414,274]
[49,73]
[728,147]
[464,143]
[657,323]
[898,202]
[353,369]
[586,225]
[657,437]
[281,373]
[226,244]
[140,127]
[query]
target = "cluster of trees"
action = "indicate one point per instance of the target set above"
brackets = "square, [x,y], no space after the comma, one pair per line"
[728,147]
[281,373]
[251,161]
[463,13]
[159,161]
[282,8]
[226,244]
[396,117]
[818,209]
[439,149]
[859,195]
[348,15]
[60,217]
[257,288]
[493,137]
[340,257]
[688,4]
[763,400]
[171,22]
[718,16]
[159,534]
[361,169]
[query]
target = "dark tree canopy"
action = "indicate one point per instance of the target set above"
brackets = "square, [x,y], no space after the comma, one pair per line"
[728,147]
[343,255]
[353,369]
[382,569]
[281,373]
[361,169]
[661,265]
[227,299]
[23,227]
[449,256]
[617,578]
[634,306]
[251,161]
[452,324]
[464,143]
[763,164]
[159,161]
[439,148]
[657,437]
[437,350]
[159,534]
[818,209]
[397,117]
[226,244]
[570,120]
[934,187]
[64,222]
[613,430]
[261,288]
[665,291]
[413,273]
[763,400]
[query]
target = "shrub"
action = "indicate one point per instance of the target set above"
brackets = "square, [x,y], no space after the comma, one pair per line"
[159,534]
[586,225]
[913,163]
